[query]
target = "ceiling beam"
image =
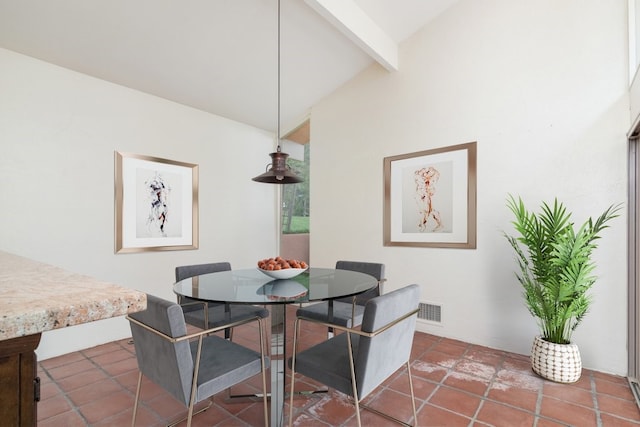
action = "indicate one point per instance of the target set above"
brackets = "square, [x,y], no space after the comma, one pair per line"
[347,17]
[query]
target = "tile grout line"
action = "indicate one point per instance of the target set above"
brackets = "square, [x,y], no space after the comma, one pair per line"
[538,408]
[499,364]
[441,385]
[64,394]
[124,345]
[485,395]
[491,381]
[111,377]
[594,396]
[425,402]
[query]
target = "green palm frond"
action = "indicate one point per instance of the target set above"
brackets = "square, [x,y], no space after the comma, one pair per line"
[556,269]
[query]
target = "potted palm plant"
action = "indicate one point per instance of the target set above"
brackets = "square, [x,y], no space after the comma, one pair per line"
[556,274]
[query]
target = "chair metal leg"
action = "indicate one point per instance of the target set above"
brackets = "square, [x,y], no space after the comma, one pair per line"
[413,404]
[293,369]
[135,405]
[356,399]
[413,397]
[194,382]
[264,374]
[175,423]
[330,330]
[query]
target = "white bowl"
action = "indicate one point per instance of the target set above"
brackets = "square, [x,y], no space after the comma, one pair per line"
[280,290]
[285,273]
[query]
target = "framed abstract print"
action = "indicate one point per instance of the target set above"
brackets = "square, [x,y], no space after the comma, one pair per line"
[156,204]
[430,198]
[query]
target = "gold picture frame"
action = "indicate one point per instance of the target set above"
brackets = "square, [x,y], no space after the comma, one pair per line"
[156,204]
[430,198]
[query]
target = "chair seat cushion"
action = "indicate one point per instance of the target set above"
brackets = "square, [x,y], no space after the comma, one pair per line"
[342,313]
[226,362]
[328,362]
[218,316]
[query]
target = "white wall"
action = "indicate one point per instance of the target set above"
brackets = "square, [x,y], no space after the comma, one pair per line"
[634,56]
[542,87]
[58,133]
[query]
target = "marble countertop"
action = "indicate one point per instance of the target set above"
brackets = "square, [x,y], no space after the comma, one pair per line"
[37,297]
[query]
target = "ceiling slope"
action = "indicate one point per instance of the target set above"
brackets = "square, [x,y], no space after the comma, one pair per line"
[218,56]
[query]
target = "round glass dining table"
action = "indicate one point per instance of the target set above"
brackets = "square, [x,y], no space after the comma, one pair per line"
[251,286]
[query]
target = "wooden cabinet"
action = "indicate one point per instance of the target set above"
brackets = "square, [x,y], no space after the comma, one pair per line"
[35,298]
[19,387]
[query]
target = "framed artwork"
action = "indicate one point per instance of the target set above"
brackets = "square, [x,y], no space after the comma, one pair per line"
[156,204]
[430,198]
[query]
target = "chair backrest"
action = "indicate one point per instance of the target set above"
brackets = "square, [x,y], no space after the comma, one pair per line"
[374,269]
[170,365]
[380,356]
[185,271]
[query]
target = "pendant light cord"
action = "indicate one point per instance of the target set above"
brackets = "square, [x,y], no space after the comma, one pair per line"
[278,172]
[278,134]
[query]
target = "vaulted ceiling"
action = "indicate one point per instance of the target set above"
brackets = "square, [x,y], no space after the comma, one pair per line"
[219,56]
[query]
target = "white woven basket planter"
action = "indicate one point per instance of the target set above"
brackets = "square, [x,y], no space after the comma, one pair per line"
[556,362]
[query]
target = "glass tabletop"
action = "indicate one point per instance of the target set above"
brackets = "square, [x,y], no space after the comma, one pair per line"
[251,286]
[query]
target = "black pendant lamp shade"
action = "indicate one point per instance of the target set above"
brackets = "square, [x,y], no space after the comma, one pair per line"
[278,172]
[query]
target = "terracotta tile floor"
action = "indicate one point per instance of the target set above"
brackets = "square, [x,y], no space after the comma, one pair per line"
[456,384]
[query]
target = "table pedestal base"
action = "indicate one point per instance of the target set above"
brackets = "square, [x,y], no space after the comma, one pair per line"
[278,360]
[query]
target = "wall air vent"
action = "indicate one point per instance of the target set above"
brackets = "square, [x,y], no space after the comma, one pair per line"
[430,312]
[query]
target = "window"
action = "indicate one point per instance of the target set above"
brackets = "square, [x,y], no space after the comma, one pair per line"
[295,198]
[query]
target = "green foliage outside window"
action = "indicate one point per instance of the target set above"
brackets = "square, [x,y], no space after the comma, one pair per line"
[295,198]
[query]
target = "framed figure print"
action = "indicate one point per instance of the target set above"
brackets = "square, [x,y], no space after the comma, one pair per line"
[430,198]
[156,204]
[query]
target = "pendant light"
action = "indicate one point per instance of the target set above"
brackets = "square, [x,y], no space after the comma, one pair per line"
[278,172]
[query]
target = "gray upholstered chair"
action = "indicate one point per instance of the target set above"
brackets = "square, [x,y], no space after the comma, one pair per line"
[191,367]
[347,311]
[358,361]
[217,313]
